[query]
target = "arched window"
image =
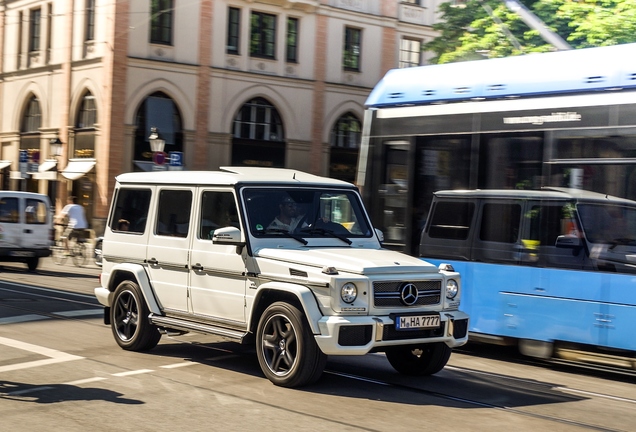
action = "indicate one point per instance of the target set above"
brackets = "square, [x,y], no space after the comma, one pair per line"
[87,115]
[32,116]
[345,141]
[157,111]
[85,128]
[258,135]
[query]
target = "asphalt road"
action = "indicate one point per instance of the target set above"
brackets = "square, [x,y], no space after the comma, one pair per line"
[61,370]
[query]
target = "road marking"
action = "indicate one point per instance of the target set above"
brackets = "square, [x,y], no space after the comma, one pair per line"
[135,372]
[85,381]
[54,356]
[177,365]
[65,314]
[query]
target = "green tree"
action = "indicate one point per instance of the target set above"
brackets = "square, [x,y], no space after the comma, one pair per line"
[487,29]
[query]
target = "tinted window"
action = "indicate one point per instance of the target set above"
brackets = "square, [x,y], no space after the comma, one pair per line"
[130,210]
[9,210]
[451,220]
[218,210]
[173,215]
[500,223]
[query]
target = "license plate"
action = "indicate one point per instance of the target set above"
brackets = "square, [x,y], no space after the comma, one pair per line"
[416,322]
[21,253]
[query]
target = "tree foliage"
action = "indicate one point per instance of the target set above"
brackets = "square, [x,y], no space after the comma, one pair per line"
[470,32]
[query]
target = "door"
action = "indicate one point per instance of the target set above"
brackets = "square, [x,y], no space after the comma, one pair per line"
[10,226]
[168,245]
[217,275]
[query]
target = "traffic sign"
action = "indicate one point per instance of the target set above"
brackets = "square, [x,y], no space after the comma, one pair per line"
[159,158]
[176,158]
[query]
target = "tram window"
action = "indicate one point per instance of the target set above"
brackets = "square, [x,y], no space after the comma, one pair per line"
[500,223]
[451,220]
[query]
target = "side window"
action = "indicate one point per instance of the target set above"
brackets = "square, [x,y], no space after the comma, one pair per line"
[451,220]
[500,223]
[218,210]
[173,216]
[9,210]
[35,211]
[550,221]
[130,211]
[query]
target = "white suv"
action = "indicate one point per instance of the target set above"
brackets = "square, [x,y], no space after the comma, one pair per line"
[276,257]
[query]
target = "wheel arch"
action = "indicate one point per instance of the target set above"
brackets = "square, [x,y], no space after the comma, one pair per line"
[137,274]
[297,295]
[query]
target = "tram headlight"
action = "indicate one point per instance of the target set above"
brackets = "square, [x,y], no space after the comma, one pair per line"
[452,288]
[349,292]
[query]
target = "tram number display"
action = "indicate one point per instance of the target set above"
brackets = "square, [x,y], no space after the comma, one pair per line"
[416,322]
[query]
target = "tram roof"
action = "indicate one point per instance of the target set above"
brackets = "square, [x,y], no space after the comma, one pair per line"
[574,71]
[545,193]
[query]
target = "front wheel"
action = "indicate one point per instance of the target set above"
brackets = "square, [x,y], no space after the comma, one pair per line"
[129,319]
[59,253]
[286,349]
[32,263]
[418,360]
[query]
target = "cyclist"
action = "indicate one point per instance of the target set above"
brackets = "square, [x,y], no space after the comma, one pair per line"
[76,217]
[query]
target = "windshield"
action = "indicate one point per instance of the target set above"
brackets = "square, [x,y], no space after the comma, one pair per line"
[305,213]
[608,223]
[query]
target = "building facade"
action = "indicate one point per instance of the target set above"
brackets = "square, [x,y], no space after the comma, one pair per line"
[279,83]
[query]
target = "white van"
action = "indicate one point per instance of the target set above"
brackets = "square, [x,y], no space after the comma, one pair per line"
[26,227]
[277,258]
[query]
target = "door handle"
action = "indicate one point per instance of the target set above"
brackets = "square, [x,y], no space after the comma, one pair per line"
[152,261]
[28,231]
[197,267]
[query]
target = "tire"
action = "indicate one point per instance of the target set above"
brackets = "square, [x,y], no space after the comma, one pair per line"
[129,319]
[286,349]
[58,253]
[419,360]
[80,258]
[97,252]
[32,263]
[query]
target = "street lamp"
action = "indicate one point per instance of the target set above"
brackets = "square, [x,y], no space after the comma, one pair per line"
[56,151]
[56,147]
[156,144]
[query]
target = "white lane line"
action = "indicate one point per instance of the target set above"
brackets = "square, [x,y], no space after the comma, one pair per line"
[85,381]
[65,314]
[177,365]
[135,372]
[76,313]
[22,318]
[55,356]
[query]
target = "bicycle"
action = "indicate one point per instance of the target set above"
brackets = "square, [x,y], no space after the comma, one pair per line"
[77,250]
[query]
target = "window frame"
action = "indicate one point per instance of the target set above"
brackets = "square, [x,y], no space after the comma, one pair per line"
[406,52]
[261,45]
[352,43]
[89,27]
[233,31]
[291,40]
[161,22]
[35,27]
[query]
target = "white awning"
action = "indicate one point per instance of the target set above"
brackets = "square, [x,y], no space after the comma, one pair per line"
[4,164]
[76,168]
[47,165]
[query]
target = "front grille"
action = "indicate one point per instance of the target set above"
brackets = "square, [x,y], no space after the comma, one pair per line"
[355,335]
[390,333]
[387,294]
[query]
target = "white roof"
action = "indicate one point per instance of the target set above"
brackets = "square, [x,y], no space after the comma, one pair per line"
[230,176]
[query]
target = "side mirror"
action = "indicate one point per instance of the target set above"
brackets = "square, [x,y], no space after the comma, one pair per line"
[380,235]
[565,241]
[227,236]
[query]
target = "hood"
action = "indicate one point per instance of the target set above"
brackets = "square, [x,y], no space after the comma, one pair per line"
[360,261]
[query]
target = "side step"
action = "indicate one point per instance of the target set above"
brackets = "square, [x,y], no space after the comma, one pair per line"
[185,325]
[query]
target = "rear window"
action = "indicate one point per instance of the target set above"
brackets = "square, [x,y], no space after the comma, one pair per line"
[451,220]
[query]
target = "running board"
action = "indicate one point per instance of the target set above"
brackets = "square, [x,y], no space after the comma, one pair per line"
[185,325]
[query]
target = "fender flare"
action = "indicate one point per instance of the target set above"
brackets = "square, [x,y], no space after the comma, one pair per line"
[140,277]
[304,295]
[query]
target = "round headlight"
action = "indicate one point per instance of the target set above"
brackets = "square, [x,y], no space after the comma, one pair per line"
[348,292]
[451,289]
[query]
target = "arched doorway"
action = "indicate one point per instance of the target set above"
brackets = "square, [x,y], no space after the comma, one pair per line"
[345,144]
[258,136]
[156,111]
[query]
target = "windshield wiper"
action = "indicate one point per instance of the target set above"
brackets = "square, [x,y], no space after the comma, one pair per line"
[623,241]
[286,234]
[324,231]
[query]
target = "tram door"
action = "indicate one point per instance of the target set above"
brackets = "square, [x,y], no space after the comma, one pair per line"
[394,195]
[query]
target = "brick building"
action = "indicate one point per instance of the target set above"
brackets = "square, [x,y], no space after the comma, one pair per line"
[225,82]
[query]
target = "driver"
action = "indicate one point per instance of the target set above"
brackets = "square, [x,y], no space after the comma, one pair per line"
[288,217]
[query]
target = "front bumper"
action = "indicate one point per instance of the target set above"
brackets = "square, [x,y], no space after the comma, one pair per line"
[358,335]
